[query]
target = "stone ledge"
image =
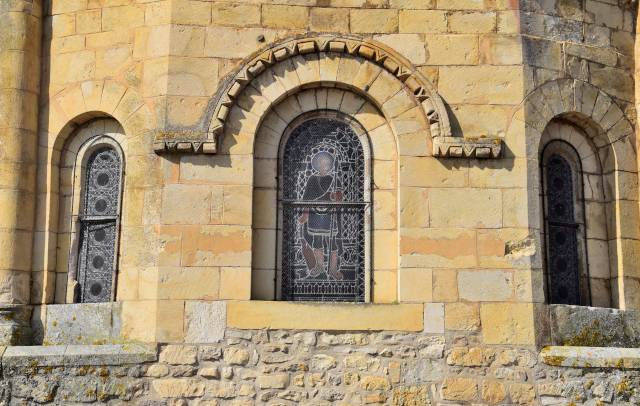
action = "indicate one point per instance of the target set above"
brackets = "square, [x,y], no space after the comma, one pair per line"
[324,316]
[73,355]
[591,357]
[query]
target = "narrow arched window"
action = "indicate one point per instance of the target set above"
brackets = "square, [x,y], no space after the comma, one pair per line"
[99,225]
[564,225]
[324,203]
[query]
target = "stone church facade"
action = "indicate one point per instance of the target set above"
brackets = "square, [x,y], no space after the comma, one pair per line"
[401,202]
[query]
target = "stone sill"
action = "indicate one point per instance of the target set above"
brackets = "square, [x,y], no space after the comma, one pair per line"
[591,357]
[75,355]
[250,315]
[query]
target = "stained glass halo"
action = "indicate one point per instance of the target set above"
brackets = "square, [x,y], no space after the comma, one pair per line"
[333,115]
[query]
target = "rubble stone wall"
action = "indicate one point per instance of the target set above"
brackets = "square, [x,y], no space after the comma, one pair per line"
[288,367]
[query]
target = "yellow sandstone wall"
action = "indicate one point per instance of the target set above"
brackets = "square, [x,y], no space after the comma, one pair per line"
[463,232]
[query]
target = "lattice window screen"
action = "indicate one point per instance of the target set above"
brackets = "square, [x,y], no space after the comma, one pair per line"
[324,209]
[99,226]
[562,259]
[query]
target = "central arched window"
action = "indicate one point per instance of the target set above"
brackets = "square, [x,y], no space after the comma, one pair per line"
[324,201]
[99,226]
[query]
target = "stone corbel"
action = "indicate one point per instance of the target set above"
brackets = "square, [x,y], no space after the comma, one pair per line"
[208,145]
[458,147]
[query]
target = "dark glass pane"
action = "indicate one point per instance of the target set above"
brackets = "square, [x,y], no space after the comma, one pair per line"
[323,209]
[97,256]
[559,189]
[563,261]
[564,279]
[103,183]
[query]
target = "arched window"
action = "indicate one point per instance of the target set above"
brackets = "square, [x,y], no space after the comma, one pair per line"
[325,208]
[99,225]
[567,268]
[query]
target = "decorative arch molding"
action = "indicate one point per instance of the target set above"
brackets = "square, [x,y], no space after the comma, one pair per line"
[330,50]
[591,109]
[609,135]
[76,105]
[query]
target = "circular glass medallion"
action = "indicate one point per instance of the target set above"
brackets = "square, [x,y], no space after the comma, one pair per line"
[96,289]
[101,205]
[98,262]
[100,235]
[103,179]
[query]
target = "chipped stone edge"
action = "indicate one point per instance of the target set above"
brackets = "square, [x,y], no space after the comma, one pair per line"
[591,357]
[457,147]
[74,355]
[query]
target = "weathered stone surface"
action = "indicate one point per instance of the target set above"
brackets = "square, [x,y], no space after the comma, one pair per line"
[573,390]
[205,322]
[183,371]
[210,353]
[304,338]
[461,316]
[411,396]
[594,327]
[280,381]
[459,389]
[179,354]
[224,390]
[174,388]
[323,362]
[522,393]
[294,396]
[523,358]
[471,357]
[236,356]
[422,371]
[493,391]
[351,378]
[157,371]
[210,373]
[373,383]
[508,323]
[95,322]
[331,394]
[489,286]
[362,363]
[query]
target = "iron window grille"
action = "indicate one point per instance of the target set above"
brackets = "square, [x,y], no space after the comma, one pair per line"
[99,226]
[325,205]
[563,258]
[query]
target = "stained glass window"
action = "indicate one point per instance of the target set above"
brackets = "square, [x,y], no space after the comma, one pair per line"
[562,229]
[324,208]
[99,226]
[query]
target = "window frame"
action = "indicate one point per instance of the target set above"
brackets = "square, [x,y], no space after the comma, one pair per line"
[368,193]
[85,152]
[572,157]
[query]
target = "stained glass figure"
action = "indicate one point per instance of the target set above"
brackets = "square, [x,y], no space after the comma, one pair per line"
[562,229]
[99,226]
[323,238]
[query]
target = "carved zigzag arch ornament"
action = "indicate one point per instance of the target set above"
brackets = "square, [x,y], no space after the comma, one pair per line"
[424,92]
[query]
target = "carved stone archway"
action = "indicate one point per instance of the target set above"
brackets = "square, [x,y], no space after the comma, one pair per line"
[296,54]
